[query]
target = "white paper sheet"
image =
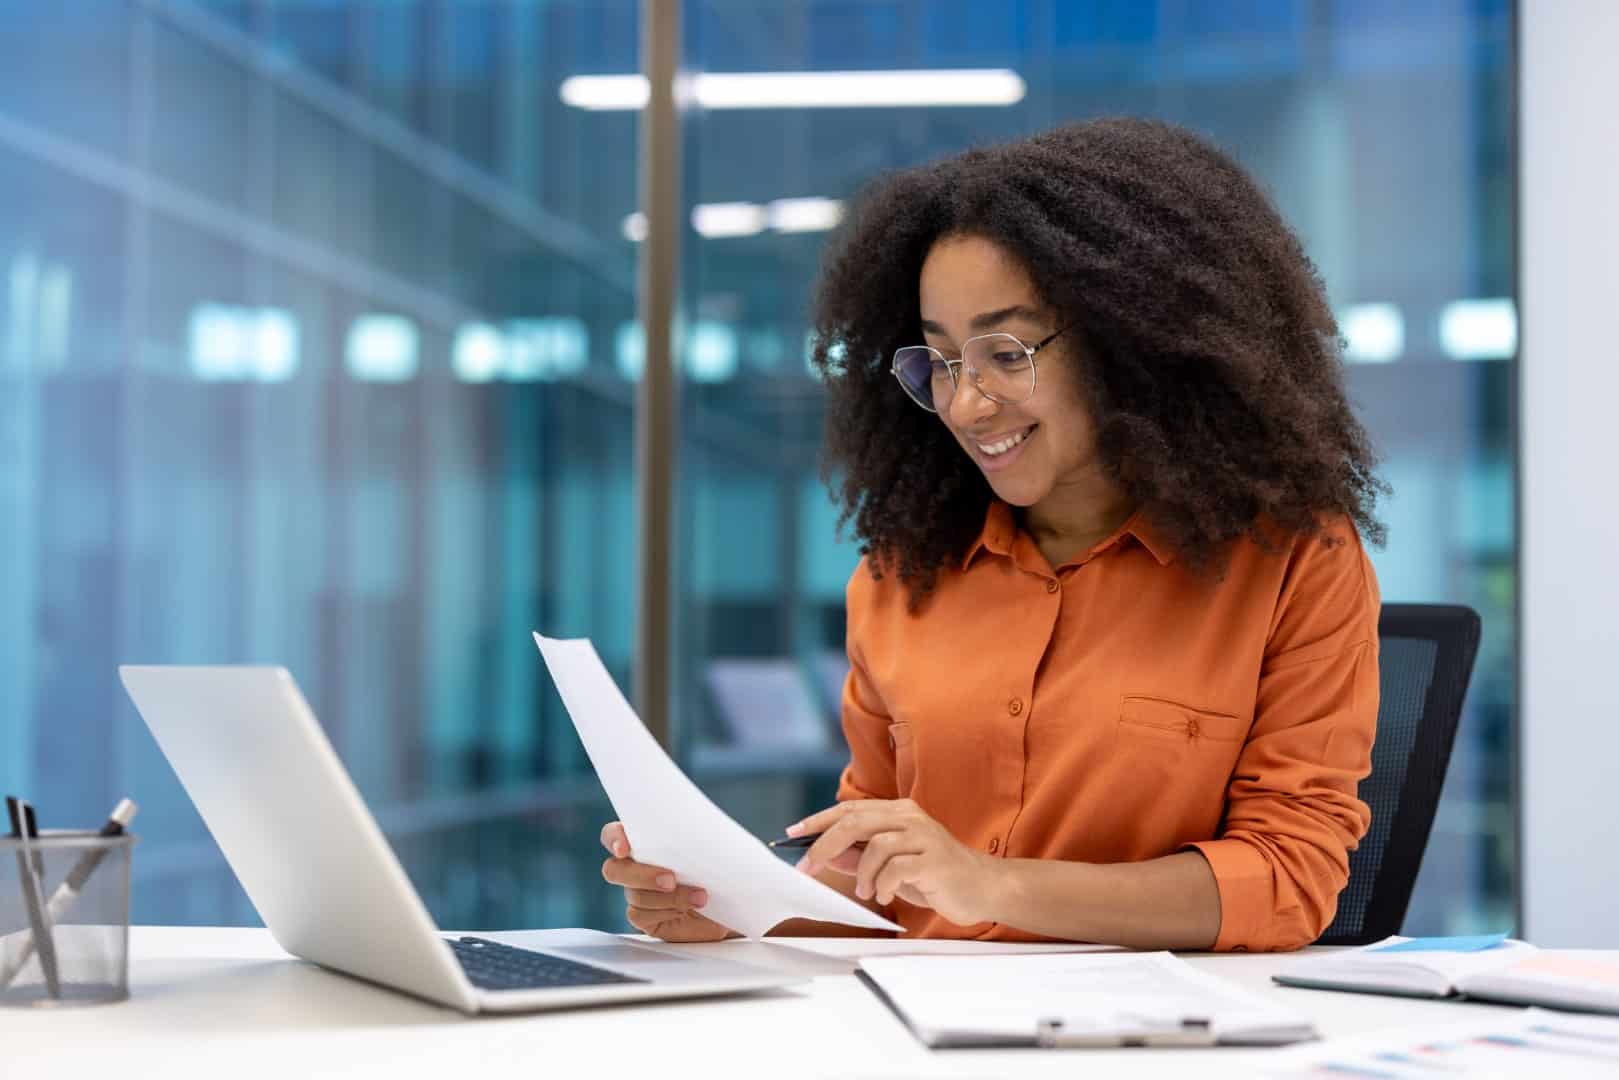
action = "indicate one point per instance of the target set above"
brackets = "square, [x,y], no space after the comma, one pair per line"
[671,822]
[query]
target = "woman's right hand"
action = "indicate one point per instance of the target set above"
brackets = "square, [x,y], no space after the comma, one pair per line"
[657,905]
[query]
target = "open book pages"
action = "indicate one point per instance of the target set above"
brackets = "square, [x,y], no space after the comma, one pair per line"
[1511,971]
[1561,980]
[1415,974]
[1438,973]
[1009,1000]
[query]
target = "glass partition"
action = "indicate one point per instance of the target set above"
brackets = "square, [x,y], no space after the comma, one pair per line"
[309,324]
[1384,133]
[319,348]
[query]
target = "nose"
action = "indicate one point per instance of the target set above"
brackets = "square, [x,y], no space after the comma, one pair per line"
[969,404]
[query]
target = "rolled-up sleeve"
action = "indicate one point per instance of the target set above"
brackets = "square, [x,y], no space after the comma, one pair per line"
[1292,813]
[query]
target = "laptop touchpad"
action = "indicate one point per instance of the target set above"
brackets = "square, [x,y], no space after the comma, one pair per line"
[615,954]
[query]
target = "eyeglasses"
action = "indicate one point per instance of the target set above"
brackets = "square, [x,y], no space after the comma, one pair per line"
[1001,366]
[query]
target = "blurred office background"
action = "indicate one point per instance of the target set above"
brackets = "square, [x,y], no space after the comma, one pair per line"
[318,347]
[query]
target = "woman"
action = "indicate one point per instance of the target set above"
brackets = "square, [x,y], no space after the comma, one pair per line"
[1114,635]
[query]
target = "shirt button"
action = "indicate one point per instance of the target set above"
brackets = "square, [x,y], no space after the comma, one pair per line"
[1015,706]
[994,845]
[1051,585]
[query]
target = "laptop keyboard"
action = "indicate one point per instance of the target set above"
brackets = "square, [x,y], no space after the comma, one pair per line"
[493,966]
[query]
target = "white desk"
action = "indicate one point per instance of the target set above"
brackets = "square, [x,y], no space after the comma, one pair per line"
[228,1003]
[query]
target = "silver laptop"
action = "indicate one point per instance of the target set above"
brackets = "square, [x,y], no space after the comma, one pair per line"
[292,824]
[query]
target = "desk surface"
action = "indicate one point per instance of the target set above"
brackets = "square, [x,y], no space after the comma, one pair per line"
[225,1002]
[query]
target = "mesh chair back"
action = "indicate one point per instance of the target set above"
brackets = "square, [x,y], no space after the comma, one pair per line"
[1425,660]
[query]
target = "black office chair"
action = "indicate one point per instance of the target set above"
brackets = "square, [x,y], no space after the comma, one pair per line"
[1425,660]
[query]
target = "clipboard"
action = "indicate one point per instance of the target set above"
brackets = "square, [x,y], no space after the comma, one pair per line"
[1055,1033]
[1073,1000]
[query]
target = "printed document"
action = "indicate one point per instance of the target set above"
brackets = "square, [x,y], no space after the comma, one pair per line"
[1533,1043]
[671,822]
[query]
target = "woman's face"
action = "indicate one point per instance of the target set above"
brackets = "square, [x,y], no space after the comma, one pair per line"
[969,287]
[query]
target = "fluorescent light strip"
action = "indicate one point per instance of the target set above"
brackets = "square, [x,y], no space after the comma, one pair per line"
[808,89]
[237,344]
[382,348]
[804,215]
[721,220]
[715,220]
[477,353]
[1479,329]
[605,92]
[1375,333]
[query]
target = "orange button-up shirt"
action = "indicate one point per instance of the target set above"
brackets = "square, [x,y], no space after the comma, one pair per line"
[1121,708]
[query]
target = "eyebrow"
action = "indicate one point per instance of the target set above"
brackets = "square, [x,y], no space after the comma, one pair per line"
[987,319]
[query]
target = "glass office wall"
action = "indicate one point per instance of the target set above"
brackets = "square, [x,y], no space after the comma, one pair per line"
[317,347]
[1383,132]
[309,319]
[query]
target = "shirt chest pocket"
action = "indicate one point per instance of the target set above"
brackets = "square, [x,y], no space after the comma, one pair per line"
[1173,723]
[1172,763]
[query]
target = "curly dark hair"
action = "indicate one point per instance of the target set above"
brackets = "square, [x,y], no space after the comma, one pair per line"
[1211,362]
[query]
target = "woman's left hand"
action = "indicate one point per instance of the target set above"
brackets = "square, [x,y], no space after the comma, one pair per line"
[906,854]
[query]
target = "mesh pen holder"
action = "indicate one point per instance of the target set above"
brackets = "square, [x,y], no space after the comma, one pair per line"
[74,887]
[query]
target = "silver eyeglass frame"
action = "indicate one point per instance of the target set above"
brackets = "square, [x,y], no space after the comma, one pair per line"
[954,367]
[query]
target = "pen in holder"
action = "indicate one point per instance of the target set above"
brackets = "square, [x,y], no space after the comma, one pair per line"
[64,918]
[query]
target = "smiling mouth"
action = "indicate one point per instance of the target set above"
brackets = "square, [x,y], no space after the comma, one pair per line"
[1002,444]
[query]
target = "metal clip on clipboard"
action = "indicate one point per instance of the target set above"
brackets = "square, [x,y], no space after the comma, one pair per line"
[1053,1032]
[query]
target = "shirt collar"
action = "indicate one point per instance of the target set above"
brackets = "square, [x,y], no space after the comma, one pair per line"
[1000,533]
[997,534]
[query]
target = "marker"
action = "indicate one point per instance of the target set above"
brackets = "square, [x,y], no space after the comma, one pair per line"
[73,884]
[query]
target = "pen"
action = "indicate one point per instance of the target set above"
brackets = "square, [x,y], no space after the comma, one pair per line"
[73,884]
[29,863]
[794,841]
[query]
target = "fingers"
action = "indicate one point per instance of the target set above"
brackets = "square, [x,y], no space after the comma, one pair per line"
[614,839]
[682,899]
[635,875]
[898,872]
[879,852]
[656,903]
[653,888]
[848,862]
[822,820]
[855,826]
[675,926]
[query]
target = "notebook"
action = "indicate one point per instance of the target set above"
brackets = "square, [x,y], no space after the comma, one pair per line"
[1074,999]
[1493,968]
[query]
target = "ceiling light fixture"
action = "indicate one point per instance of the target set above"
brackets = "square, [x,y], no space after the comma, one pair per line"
[808,89]
[804,215]
[720,220]
[715,220]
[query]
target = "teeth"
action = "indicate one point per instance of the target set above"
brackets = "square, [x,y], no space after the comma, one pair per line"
[996,449]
